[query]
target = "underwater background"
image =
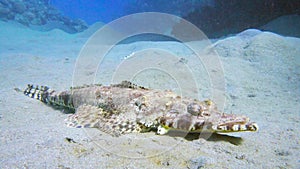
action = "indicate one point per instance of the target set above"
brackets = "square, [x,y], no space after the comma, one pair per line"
[252,47]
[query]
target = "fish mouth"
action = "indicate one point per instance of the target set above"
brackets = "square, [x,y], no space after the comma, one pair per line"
[235,127]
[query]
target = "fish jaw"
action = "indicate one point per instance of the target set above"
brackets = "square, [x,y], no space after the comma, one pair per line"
[235,127]
[228,123]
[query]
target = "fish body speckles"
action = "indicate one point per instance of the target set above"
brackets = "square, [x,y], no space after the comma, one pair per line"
[125,108]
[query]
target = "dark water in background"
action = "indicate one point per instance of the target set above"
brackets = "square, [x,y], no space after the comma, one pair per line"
[216,18]
[105,11]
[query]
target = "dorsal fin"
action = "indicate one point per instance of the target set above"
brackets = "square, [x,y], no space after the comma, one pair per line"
[85,86]
[128,84]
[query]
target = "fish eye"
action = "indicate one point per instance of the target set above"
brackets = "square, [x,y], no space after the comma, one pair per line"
[194,109]
[205,114]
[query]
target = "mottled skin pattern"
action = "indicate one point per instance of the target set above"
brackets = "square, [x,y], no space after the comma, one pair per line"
[126,107]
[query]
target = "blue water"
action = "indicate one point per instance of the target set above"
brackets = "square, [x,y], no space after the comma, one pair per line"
[92,10]
[105,11]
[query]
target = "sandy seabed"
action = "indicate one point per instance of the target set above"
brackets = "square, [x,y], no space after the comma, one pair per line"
[262,79]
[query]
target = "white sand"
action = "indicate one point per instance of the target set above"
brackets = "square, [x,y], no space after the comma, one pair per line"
[262,73]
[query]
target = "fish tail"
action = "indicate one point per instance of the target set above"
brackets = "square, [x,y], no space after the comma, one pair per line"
[49,96]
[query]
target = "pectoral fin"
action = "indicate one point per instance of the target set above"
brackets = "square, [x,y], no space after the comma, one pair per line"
[87,116]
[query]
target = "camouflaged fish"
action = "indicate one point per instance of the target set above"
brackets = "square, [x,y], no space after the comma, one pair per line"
[126,107]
